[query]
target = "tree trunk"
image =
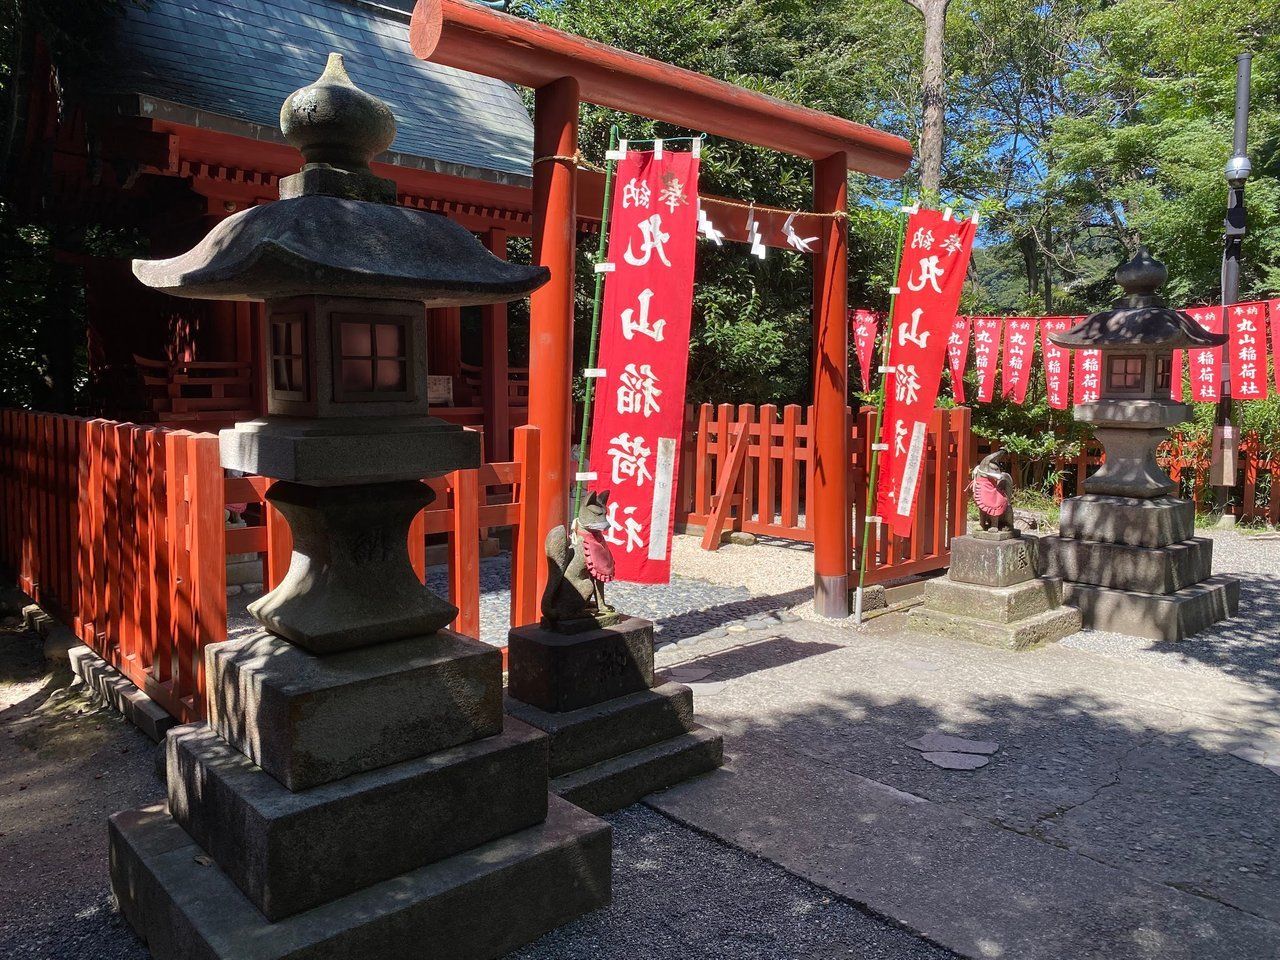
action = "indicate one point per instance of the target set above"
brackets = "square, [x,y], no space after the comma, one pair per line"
[933,95]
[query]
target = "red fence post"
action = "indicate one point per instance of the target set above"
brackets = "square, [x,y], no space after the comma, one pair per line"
[464,553]
[208,558]
[526,551]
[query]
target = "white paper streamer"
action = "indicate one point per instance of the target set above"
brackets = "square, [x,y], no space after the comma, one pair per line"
[794,240]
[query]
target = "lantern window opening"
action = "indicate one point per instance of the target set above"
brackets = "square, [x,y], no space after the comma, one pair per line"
[372,356]
[1126,373]
[289,374]
[1164,373]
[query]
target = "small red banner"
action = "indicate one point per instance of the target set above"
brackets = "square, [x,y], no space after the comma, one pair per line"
[1057,362]
[1273,311]
[986,352]
[865,323]
[1019,348]
[1087,372]
[1247,328]
[1206,376]
[958,355]
[935,259]
[644,355]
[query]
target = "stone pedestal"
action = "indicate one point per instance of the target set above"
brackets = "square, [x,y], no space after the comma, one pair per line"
[1134,566]
[372,803]
[614,735]
[992,595]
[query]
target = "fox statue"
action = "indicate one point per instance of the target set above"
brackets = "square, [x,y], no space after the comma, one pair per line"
[993,492]
[579,564]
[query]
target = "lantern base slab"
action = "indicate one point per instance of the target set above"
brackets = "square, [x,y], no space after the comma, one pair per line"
[1162,570]
[1174,616]
[475,905]
[1137,522]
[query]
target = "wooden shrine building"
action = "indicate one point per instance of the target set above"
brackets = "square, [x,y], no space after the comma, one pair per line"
[182,131]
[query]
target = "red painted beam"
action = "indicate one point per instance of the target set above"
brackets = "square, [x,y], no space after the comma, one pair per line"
[472,37]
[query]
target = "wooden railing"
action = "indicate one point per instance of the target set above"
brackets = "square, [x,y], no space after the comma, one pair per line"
[769,480]
[118,530]
[197,392]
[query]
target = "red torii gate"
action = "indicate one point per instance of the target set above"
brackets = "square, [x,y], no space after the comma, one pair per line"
[564,70]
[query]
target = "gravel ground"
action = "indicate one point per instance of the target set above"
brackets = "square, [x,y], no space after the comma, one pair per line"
[1246,647]
[692,604]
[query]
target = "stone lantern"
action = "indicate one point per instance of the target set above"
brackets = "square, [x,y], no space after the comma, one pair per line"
[356,790]
[1127,549]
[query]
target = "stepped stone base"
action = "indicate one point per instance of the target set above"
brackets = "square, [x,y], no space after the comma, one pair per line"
[291,851]
[1172,616]
[475,905]
[622,780]
[588,735]
[609,755]
[993,560]
[1024,634]
[1166,569]
[1139,523]
[309,720]
[614,736]
[1000,604]
[559,671]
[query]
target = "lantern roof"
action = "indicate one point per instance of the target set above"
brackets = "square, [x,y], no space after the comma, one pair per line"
[336,230]
[1140,319]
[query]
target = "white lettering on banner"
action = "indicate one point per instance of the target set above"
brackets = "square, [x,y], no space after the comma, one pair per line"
[651,238]
[930,273]
[634,195]
[906,383]
[628,525]
[922,239]
[911,470]
[631,327]
[630,459]
[638,391]
[952,244]
[660,519]
[913,335]
[899,438]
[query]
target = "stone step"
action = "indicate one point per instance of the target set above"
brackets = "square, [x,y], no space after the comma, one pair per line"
[310,720]
[1002,604]
[1130,520]
[1165,569]
[290,851]
[1023,634]
[475,905]
[588,735]
[622,780]
[1170,616]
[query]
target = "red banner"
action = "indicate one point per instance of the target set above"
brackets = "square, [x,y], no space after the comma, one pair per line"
[1087,373]
[1175,375]
[958,355]
[935,258]
[1273,308]
[644,355]
[1206,377]
[1019,348]
[865,323]
[1247,328]
[986,353]
[1057,362]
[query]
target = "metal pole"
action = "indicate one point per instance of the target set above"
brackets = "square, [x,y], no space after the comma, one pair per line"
[602,251]
[873,468]
[1237,172]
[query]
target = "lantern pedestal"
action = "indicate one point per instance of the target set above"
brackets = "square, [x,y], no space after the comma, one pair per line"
[367,803]
[615,736]
[991,594]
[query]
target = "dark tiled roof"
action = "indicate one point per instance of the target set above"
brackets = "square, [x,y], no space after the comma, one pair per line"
[241,58]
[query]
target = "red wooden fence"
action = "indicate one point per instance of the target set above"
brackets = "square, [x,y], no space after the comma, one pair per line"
[118,530]
[769,495]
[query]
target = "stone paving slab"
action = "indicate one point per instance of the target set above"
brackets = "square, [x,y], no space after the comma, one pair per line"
[958,881]
[1128,769]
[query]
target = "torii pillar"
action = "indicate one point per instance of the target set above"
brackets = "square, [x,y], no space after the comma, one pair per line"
[829,498]
[555,134]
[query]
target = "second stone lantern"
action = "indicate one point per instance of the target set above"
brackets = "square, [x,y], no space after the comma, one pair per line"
[1127,549]
[357,791]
